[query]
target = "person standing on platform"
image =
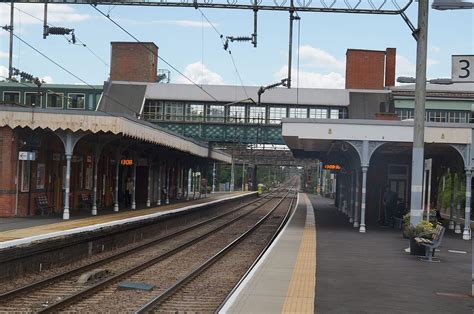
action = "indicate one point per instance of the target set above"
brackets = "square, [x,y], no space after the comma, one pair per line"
[128,192]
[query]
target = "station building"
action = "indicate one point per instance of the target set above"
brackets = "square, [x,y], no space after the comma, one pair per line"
[72,160]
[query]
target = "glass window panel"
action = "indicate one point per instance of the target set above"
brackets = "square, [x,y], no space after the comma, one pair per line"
[215,113]
[55,101]
[153,110]
[237,114]
[300,112]
[257,115]
[11,97]
[194,112]
[32,98]
[276,114]
[318,113]
[174,111]
[334,114]
[76,101]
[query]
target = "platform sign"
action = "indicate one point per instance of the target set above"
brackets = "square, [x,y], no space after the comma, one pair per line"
[26,155]
[462,68]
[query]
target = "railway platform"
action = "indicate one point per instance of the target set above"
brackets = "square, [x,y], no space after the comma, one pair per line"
[321,264]
[23,231]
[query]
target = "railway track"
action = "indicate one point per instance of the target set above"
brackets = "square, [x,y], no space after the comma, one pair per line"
[205,288]
[53,294]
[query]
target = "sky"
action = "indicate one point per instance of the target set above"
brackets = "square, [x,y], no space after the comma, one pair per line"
[188,42]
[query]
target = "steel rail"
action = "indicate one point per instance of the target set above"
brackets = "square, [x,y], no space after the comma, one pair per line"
[41,283]
[137,268]
[234,4]
[194,273]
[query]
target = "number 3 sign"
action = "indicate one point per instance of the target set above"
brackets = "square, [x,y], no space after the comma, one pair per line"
[463,69]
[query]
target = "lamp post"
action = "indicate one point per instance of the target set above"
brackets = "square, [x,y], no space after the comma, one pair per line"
[416,210]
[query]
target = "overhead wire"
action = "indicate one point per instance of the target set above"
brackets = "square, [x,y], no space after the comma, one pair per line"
[77,38]
[159,57]
[221,36]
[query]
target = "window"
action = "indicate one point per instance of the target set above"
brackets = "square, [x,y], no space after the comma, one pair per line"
[300,112]
[457,117]
[257,115]
[405,113]
[276,114]
[174,111]
[55,100]
[237,114]
[215,113]
[194,112]
[334,114]
[318,113]
[153,110]
[76,101]
[11,97]
[33,99]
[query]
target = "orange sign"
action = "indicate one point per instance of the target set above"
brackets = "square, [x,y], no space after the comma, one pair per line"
[126,162]
[332,167]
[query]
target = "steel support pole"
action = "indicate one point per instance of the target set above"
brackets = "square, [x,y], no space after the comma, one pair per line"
[356,213]
[190,178]
[67,186]
[467,214]
[160,174]
[148,198]
[94,190]
[232,176]
[214,177]
[243,175]
[290,45]
[117,169]
[416,210]
[134,204]
[451,202]
[362,205]
[10,54]
[168,172]
[457,229]
[351,215]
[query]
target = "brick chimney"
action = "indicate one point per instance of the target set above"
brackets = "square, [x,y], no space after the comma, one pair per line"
[390,60]
[131,61]
[370,69]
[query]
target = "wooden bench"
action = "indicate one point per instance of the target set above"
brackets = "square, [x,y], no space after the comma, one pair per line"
[85,201]
[431,244]
[42,206]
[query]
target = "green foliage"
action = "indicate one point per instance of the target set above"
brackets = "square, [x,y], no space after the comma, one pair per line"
[423,229]
[444,199]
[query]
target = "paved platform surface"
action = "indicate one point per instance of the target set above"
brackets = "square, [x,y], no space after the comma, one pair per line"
[25,228]
[371,273]
[284,278]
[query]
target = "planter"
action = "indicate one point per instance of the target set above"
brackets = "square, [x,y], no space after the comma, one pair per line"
[416,249]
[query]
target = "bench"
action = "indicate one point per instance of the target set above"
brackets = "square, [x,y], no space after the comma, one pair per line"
[431,244]
[42,206]
[85,201]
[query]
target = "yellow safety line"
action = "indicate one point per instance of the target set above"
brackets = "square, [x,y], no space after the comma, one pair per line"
[301,292]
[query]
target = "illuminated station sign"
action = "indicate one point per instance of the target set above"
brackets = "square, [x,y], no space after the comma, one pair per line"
[332,167]
[126,162]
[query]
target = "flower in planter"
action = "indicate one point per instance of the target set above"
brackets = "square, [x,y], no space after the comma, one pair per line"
[424,229]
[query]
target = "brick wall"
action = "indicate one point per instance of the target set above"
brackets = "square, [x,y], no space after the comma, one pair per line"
[8,165]
[370,69]
[134,62]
